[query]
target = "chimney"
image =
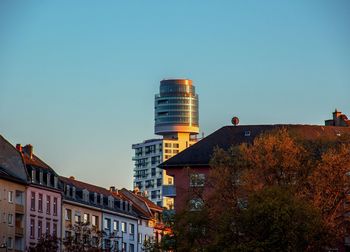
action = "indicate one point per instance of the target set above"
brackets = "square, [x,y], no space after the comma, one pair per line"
[29,150]
[72,177]
[19,147]
[112,188]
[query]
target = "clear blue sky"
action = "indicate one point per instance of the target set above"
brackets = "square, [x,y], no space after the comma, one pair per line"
[78,78]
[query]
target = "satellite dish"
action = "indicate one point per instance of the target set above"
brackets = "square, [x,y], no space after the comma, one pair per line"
[235,121]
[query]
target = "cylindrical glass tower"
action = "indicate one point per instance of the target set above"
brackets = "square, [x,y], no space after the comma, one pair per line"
[176,107]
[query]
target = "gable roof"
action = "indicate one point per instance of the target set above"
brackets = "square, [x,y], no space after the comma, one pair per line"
[11,163]
[200,153]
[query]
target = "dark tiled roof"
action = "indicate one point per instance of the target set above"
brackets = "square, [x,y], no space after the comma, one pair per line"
[11,162]
[200,153]
[89,187]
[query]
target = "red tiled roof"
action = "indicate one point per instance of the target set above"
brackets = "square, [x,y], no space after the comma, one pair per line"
[35,161]
[141,203]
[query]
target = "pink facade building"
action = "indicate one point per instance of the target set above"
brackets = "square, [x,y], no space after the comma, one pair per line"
[43,197]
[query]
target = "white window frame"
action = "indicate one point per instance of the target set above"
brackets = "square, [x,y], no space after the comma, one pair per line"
[10,196]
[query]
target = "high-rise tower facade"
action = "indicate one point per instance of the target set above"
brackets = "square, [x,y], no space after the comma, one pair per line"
[176,120]
[176,108]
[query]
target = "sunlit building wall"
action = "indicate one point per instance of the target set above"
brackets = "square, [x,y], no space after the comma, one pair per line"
[177,121]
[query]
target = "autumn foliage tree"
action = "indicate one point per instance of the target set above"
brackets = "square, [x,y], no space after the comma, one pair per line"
[279,193]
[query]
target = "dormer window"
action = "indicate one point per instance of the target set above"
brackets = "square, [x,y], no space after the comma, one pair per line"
[68,190]
[86,195]
[110,202]
[48,179]
[73,192]
[247,133]
[55,182]
[101,199]
[41,175]
[33,176]
[95,198]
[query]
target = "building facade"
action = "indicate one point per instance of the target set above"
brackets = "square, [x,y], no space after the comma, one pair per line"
[43,198]
[190,168]
[13,180]
[177,121]
[150,224]
[109,216]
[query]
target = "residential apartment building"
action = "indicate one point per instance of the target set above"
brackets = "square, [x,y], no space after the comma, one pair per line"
[150,224]
[35,201]
[104,211]
[177,121]
[197,157]
[43,197]
[13,182]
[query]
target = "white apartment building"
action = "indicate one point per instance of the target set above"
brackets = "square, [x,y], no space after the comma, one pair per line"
[176,120]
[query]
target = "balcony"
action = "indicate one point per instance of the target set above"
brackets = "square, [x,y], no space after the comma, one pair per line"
[19,231]
[19,208]
[169,190]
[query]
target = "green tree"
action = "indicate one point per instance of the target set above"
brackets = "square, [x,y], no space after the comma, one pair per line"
[276,220]
[84,238]
[47,243]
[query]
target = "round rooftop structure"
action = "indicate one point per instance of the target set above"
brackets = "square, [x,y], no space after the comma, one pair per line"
[176,107]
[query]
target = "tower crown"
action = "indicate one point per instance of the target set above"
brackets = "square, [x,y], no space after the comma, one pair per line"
[176,107]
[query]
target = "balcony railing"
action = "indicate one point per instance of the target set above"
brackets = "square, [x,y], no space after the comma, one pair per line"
[169,190]
[19,208]
[19,231]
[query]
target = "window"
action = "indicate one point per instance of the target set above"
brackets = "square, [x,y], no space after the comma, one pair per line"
[176,145]
[32,227]
[124,227]
[132,231]
[10,219]
[159,182]
[55,206]
[153,172]
[86,218]
[40,202]
[67,234]
[48,204]
[247,133]
[107,244]
[124,246]
[77,217]
[167,144]
[115,225]
[32,201]
[94,221]
[196,204]
[40,228]
[68,214]
[54,229]
[131,247]
[197,180]
[170,181]
[9,243]
[139,238]
[33,176]
[107,223]
[94,241]
[10,198]
[48,227]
